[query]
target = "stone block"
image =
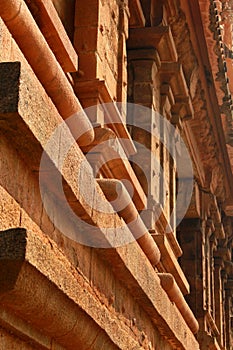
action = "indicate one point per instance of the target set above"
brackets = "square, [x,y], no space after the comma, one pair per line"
[143,93]
[87,13]
[159,37]
[144,70]
[85,39]
[88,65]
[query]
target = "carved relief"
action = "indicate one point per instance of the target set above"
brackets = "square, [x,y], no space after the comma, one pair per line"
[226,14]
[201,125]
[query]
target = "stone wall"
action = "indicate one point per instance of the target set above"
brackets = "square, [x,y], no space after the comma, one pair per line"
[68,286]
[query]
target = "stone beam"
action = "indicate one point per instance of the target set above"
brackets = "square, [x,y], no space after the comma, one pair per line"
[170,264]
[62,306]
[137,18]
[30,124]
[139,279]
[151,297]
[94,92]
[52,28]
[107,154]
[20,331]
[29,258]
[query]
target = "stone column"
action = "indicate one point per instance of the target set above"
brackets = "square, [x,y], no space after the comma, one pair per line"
[191,239]
[229,313]
[218,265]
[143,66]
[202,270]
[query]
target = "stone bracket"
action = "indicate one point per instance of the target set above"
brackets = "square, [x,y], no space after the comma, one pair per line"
[171,73]
[95,92]
[159,38]
[113,163]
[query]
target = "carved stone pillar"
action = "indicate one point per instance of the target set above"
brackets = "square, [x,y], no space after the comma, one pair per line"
[198,243]
[191,239]
[101,30]
[213,245]
[144,90]
[225,307]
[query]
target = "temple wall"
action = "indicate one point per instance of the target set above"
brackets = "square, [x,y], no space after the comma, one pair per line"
[75,273]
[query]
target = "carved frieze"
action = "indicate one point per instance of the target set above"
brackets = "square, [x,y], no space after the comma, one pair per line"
[203,132]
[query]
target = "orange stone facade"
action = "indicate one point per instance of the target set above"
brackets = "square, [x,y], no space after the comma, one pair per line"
[96,251]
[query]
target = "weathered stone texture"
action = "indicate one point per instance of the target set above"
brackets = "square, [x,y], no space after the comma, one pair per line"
[101,31]
[10,341]
[80,256]
[57,291]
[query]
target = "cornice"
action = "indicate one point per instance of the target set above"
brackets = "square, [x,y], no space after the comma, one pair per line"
[207,94]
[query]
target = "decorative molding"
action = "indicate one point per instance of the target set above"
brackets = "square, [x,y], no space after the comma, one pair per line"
[159,38]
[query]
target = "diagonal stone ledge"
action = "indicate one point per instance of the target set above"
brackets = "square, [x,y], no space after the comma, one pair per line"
[52,28]
[169,261]
[29,125]
[144,285]
[65,305]
[25,332]
[62,305]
